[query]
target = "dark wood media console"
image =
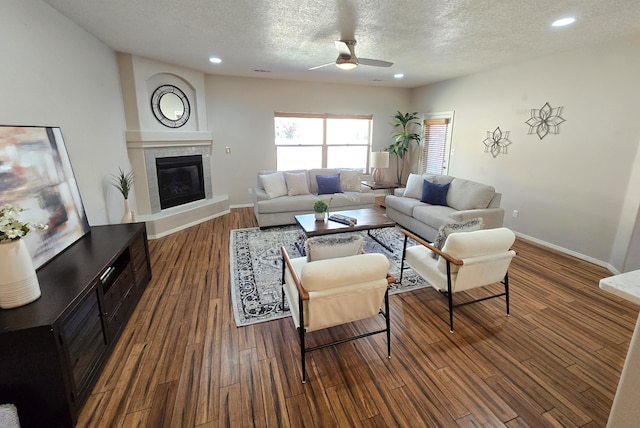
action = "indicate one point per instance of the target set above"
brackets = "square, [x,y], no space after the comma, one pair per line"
[53,350]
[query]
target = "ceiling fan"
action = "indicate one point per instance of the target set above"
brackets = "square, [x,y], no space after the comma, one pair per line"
[347,59]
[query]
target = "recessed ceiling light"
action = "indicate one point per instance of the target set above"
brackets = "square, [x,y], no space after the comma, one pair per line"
[564,21]
[215,60]
[398,76]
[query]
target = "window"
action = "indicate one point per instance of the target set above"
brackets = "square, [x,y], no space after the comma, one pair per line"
[306,141]
[437,142]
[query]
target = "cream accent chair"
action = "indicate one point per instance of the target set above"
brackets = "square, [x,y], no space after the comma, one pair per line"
[467,260]
[329,292]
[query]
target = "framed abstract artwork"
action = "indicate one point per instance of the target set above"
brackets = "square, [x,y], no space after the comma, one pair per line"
[36,175]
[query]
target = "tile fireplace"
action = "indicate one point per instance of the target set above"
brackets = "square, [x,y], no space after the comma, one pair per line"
[180,180]
[173,187]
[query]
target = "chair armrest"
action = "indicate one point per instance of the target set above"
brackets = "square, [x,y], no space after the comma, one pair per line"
[365,189]
[491,217]
[301,291]
[421,241]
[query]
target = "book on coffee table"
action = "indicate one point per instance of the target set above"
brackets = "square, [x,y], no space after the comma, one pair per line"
[340,218]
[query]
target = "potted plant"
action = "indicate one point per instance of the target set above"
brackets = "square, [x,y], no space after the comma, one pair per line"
[124,182]
[404,123]
[18,280]
[320,207]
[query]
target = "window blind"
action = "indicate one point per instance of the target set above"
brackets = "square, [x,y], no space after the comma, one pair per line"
[435,138]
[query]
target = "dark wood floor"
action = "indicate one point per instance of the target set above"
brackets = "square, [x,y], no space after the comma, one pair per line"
[182,362]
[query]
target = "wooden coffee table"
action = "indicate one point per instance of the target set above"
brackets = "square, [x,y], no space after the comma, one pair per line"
[368,219]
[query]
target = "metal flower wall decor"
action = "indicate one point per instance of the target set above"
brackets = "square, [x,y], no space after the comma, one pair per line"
[496,142]
[545,120]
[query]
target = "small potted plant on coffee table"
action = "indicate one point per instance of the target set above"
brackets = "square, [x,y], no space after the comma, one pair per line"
[320,207]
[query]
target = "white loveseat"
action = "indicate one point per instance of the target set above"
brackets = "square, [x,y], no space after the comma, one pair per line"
[290,193]
[465,200]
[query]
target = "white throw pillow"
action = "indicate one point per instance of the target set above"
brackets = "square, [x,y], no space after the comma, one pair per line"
[350,181]
[414,186]
[296,183]
[274,184]
[333,246]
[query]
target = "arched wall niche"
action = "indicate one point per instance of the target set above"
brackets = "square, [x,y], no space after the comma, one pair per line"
[162,79]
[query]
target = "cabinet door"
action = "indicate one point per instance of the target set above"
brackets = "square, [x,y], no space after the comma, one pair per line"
[140,263]
[85,341]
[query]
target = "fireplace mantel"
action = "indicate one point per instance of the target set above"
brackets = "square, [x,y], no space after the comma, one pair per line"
[174,137]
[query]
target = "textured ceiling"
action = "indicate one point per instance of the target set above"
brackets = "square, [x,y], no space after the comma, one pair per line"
[427,40]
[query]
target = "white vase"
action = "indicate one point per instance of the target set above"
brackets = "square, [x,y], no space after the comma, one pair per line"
[18,280]
[129,216]
[320,216]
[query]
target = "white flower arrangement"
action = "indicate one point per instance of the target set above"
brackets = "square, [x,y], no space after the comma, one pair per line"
[11,228]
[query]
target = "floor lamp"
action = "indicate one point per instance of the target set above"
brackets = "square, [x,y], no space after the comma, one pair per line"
[379,161]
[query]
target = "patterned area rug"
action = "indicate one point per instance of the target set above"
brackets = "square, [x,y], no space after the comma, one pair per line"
[256,268]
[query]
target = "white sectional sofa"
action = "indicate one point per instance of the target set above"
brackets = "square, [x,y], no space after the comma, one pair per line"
[281,195]
[464,200]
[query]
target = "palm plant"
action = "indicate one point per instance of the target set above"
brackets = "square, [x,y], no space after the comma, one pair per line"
[404,123]
[123,182]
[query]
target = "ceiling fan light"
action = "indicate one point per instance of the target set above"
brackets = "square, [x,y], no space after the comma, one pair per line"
[348,63]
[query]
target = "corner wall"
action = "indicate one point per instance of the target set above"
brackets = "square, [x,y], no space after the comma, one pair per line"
[570,189]
[56,74]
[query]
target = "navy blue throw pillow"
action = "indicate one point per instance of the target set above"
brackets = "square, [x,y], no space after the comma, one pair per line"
[328,184]
[434,194]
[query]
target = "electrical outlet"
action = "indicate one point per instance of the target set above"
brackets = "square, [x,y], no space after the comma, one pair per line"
[250,191]
[227,150]
[515,213]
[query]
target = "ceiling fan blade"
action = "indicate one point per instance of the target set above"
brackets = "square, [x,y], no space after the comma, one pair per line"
[323,65]
[374,62]
[343,48]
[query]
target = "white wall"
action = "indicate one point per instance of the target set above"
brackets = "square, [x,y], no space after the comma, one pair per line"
[571,189]
[240,116]
[54,73]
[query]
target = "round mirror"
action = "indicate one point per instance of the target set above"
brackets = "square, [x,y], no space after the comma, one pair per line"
[170,106]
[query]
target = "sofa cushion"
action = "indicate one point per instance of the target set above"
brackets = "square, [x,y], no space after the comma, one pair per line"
[433,215]
[313,183]
[296,183]
[414,186]
[402,204]
[328,184]
[348,200]
[274,184]
[283,204]
[469,195]
[441,179]
[434,194]
[462,226]
[350,180]
[332,246]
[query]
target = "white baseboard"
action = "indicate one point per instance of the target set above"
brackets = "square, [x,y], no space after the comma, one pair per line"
[575,254]
[241,206]
[164,233]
